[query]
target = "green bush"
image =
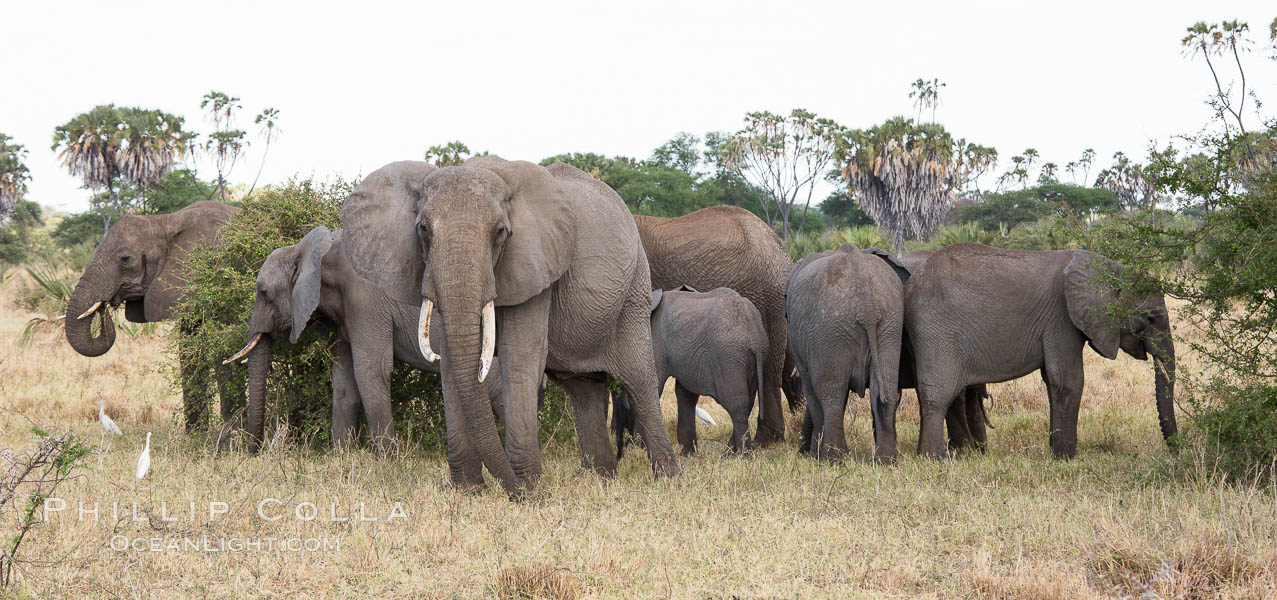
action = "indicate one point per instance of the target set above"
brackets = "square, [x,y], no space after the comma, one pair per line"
[1050,233]
[961,234]
[1239,430]
[221,286]
[865,236]
[219,299]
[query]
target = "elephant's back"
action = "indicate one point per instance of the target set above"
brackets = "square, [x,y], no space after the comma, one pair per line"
[718,246]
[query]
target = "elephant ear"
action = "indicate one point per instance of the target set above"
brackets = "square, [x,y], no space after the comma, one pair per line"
[379,220]
[306,288]
[1089,296]
[899,267]
[542,225]
[176,234]
[657,296]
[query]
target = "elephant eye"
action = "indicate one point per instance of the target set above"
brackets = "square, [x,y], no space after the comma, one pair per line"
[502,231]
[125,259]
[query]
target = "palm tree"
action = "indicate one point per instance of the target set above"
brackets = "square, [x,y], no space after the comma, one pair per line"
[153,141]
[269,131]
[109,144]
[904,175]
[88,145]
[13,174]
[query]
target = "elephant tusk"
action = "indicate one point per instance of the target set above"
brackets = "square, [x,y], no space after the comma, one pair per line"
[92,309]
[423,330]
[489,340]
[704,416]
[248,348]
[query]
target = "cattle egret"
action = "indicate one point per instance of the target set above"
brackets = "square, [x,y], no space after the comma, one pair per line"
[144,461]
[106,421]
[704,416]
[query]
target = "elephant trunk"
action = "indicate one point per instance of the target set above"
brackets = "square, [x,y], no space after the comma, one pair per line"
[88,301]
[1163,351]
[465,361]
[258,368]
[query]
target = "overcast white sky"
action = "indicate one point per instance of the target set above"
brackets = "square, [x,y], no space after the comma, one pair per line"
[360,84]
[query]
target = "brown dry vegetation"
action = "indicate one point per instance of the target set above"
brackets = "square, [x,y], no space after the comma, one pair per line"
[1009,524]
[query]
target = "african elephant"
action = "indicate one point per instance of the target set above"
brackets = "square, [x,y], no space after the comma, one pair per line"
[845,311]
[982,315]
[313,280]
[139,263]
[540,265]
[712,344]
[727,246]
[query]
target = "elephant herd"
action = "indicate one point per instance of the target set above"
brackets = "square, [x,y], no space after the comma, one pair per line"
[498,273]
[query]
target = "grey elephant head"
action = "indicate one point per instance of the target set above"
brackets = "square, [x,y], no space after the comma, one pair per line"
[138,263]
[1114,318]
[288,292]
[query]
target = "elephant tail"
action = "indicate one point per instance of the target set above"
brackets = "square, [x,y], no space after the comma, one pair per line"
[875,364]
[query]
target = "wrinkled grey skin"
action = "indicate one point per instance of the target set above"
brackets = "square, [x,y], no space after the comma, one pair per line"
[983,315]
[712,344]
[139,263]
[845,311]
[558,254]
[314,281]
[727,246]
[966,420]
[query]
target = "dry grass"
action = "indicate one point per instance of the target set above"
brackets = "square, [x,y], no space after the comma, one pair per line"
[1009,524]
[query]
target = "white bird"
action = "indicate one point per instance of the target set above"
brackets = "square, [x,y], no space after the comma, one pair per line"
[106,421]
[704,416]
[144,461]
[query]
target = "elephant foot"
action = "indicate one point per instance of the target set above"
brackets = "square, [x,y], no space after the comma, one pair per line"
[766,437]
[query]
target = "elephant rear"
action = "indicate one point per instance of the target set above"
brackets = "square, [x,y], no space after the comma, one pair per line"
[845,312]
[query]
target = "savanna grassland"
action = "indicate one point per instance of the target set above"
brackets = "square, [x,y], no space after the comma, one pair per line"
[1121,520]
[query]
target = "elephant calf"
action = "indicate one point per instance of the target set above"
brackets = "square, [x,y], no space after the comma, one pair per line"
[712,344]
[314,280]
[846,318]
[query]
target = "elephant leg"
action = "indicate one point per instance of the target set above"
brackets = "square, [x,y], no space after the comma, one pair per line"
[955,420]
[975,395]
[589,403]
[522,343]
[771,427]
[934,400]
[686,418]
[833,440]
[1064,379]
[810,417]
[372,366]
[631,362]
[346,400]
[230,390]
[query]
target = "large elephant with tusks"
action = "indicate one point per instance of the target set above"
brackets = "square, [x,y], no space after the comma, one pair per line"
[540,265]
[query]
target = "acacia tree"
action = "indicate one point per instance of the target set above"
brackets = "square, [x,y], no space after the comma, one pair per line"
[904,174]
[785,156]
[14,174]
